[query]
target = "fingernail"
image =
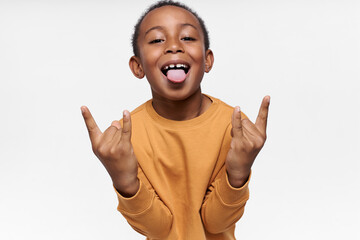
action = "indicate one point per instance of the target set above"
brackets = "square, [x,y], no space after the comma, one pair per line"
[125,114]
[238,109]
[82,109]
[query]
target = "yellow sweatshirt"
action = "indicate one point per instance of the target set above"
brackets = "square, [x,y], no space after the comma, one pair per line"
[184,192]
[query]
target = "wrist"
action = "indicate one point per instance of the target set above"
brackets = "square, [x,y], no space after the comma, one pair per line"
[237,179]
[127,187]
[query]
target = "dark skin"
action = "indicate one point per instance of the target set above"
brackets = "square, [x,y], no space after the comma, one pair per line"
[173,35]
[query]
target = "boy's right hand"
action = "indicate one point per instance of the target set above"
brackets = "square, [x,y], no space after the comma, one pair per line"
[114,149]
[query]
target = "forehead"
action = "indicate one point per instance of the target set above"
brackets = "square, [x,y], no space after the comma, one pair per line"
[168,15]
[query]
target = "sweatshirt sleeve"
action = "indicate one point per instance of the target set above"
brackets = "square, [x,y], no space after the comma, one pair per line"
[223,205]
[145,211]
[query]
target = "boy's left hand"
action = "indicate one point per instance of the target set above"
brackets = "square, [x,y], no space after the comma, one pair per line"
[247,141]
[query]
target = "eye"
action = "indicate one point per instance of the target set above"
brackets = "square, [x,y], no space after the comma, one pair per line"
[156,41]
[188,39]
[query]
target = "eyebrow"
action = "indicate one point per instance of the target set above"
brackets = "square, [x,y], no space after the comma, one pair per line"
[161,28]
[153,28]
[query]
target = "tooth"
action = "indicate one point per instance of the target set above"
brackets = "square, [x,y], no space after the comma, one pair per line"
[172,66]
[166,67]
[179,65]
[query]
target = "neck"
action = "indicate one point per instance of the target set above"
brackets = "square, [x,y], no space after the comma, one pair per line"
[181,110]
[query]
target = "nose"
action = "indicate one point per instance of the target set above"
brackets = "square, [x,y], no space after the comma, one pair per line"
[174,46]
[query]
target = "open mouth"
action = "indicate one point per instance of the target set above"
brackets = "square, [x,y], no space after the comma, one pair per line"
[178,66]
[176,73]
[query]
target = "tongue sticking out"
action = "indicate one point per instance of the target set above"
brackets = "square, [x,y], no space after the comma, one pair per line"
[176,75]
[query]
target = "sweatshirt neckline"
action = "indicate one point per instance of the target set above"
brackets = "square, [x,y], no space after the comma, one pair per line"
[174,124]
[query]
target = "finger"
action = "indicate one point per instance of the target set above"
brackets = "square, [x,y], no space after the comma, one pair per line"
[117,136]
[237,129]
[90,123]
[116,124]
[249,128]
[261,120]
[109,134]
[126,130]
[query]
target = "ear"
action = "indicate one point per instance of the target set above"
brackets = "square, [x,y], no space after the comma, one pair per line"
[209,60]
[136,68]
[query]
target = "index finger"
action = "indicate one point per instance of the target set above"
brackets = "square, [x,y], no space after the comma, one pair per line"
[261,120]
[90,123]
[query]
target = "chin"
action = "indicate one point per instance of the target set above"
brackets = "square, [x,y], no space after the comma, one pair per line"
[181,94]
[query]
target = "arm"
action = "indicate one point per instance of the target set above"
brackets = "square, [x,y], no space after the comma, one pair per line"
[223,205]
[138,202]
[145,211]
[226,197]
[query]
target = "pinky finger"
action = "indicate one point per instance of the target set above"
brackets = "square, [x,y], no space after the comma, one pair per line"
[126,130]
[237,128]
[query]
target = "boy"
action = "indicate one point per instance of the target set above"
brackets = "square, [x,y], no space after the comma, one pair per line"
[181,163]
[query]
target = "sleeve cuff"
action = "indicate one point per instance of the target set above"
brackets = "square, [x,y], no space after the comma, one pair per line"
[230,195]
[137,203]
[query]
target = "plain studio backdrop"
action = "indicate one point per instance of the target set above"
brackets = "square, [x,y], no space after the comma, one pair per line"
[58,55]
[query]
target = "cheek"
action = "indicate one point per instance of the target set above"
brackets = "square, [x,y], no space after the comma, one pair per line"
[198,55]
[148,60]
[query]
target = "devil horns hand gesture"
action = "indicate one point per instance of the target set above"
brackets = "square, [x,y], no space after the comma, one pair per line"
[247,141]
[114,149]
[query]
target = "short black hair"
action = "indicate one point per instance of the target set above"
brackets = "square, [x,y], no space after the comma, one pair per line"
[163,3]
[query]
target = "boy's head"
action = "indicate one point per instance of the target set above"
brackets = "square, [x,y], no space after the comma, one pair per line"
[171,48]
[163,3]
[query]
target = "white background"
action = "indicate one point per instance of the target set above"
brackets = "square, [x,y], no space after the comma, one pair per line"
[58,55]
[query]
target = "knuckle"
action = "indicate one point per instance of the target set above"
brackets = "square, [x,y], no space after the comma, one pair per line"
[262,139]
[126,131]
[103,151]
[122,150]
[112,151]
[252,145]
[245,121]
[257,147]
[259,143]
[233,145]
[236,146]
[237,127]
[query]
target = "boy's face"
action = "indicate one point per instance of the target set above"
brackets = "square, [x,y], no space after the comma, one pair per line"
[168,36]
